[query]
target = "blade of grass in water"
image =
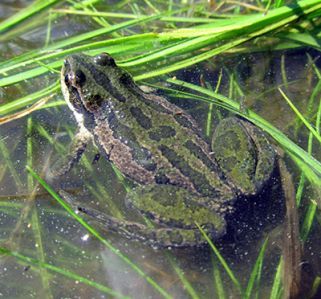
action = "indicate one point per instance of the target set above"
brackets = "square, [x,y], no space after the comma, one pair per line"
[312,209]
[36,229]
[243,29]
[36,19]
[256,273]
[98,235]
[308,220]
[41,265]
[278,19]
[133,16]
[29,99]
[26,58]
[25,112]
[301,117]
[219,286]
[315,287]
[302,38]
[187,286]
[5,154]
[249,26]
[21,76]
[123,43]
[89,35]
[27,12]
[277,282]
[221,260]
[35,223]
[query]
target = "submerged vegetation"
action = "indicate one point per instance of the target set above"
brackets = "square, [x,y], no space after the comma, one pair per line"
[154,41]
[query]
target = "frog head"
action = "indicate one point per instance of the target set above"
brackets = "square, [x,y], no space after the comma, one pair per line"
[92,84]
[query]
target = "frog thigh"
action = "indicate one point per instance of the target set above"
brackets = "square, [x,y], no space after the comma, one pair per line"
[244,154]
[162,237]
[177,207]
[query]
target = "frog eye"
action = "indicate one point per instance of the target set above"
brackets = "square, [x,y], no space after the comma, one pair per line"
[104,59]
[80,77]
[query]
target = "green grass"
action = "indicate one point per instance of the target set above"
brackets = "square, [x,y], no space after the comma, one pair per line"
[154,42]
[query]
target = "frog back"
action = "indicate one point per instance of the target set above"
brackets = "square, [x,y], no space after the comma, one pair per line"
[152,141]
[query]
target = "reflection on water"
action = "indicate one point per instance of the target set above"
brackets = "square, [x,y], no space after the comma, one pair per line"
[34,225]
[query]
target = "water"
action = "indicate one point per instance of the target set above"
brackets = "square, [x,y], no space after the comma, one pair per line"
[34,225]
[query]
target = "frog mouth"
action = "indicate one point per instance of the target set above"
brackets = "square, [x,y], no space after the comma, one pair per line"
[74,95]
[75,99]
[70,91]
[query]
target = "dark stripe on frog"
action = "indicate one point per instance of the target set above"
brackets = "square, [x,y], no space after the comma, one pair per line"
[197,151]
[101,79]
[199,181]
[184,121]
[149,100]
[125,134]
[161,177]
[162,132]
[143,120]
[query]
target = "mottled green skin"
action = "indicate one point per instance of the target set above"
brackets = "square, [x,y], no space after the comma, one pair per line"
[179,181]
[247,157]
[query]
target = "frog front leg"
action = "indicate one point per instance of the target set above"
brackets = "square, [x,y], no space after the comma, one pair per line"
[76,149]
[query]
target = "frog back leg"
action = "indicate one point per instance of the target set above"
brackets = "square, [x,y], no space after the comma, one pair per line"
[179,211]
[170,206]
[159,237]
[244,154]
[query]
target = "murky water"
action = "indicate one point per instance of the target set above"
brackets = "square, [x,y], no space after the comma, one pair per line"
[34,225]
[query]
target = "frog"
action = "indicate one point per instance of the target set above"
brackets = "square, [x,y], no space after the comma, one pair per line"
[182,184]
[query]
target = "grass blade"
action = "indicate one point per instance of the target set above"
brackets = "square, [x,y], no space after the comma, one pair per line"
[277,282]
[256,272]
[27,12]
[221,260]
[219,287]
[61,271]
[301,117]
[187,286]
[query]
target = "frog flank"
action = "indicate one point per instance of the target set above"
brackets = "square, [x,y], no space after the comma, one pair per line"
[180,180]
